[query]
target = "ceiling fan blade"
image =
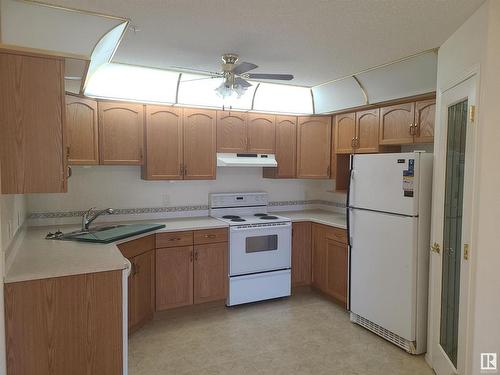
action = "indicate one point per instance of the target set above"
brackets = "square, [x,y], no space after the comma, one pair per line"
[194,71]
[282,77]
[197,79]
[244,67]
[242,82]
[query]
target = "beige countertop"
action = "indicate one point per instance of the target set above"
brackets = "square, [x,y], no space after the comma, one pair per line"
[35,258]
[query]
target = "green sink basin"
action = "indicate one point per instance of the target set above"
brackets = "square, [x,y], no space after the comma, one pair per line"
[111,233]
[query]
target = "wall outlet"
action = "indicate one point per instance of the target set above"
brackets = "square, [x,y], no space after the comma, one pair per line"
[165,199]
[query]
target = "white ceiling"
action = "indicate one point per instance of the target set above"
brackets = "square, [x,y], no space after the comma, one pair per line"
[316,40]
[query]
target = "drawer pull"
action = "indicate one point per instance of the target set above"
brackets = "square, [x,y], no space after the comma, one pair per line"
[174,239]
[210,236]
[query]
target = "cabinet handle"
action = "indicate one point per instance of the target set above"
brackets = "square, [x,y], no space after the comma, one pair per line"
[411,128]
[210,236]
[195,255]
[191,257]
[353,144]
[356,142]
[174,239]
[70,171]
[181,169]
[185,170]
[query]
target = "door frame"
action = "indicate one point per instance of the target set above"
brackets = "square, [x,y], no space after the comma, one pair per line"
[464,360]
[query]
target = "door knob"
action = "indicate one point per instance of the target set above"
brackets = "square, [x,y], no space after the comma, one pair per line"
[436,248]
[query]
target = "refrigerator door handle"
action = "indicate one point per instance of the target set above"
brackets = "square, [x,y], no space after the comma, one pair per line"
[348,203]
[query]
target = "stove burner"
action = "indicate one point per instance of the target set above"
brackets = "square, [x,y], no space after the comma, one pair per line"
[268,217]
[260,215]
[230,217]
[239,219]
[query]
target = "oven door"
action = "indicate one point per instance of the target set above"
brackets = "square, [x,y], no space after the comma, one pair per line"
[259,248]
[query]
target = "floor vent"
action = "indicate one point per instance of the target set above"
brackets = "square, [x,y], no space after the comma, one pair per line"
[408,346]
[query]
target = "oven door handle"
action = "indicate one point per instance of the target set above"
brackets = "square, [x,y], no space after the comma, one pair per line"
[250,227]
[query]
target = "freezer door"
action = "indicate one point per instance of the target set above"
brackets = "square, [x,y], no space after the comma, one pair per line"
[385,182]
[384,270]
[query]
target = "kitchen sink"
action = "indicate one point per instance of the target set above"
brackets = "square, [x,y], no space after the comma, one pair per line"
[106,233]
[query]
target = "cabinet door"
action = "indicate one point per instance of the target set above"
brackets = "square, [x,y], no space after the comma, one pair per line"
[425,117]
[313,147]
[174,277]
[286,146]
[210,272]
[396,124]
[261,132]
[319,276]
[231,131]
[141,303]
[81,131]
[367,124]
[32,149]
[345,133]
[336,273]
[200,157]
[120,133]
[163,133]
[301,254]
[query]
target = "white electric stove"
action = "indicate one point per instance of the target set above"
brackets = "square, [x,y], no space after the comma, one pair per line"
[259,247]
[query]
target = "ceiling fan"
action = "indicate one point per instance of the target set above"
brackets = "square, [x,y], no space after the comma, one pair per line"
[235,76]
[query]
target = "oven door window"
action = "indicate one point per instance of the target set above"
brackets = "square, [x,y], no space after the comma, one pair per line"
[261,243]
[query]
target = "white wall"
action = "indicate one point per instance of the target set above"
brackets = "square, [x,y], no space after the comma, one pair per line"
[122,187]
[477,43]
[486,316]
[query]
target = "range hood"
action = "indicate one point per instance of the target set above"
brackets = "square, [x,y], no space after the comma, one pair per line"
[246,160]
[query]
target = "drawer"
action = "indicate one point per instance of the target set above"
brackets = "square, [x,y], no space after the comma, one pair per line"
[210,236]
[174,239]
[337,234]
[136,247]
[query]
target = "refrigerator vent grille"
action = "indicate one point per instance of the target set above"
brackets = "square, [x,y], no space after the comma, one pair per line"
[397,340]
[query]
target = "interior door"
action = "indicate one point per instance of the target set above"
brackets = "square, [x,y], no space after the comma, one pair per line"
[451,229]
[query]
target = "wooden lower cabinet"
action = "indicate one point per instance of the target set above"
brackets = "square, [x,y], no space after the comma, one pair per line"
[141,290]
[174,277]
[301,254]
[329,261]
[210,272]
[65,325]
[336,270]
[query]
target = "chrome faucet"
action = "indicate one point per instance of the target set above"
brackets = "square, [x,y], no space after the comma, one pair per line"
[90,215]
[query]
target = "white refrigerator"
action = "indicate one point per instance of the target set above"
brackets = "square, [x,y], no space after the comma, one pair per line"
[388,216]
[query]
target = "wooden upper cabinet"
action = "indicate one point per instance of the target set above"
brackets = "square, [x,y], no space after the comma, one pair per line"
[261,132]
[200,157]
[163,143]
[231,131]
[32,149]
[286,146]
[367,124]
[425,117]
[174,277]
[82,131]
[210,272]
[313,146]
[345,133]
[121,133]
[396,124]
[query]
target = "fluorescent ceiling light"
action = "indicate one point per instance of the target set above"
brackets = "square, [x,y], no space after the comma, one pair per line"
[272,97]
[127,82]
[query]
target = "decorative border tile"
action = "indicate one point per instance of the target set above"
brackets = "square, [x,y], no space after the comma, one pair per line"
[157,210]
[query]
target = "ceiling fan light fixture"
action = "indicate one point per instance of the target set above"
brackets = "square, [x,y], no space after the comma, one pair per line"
[224,91]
